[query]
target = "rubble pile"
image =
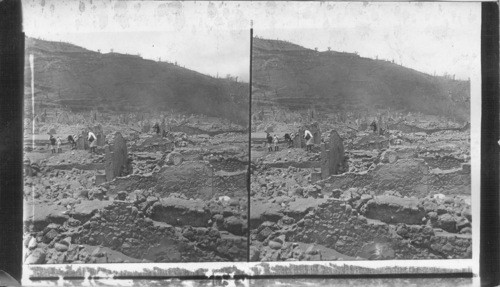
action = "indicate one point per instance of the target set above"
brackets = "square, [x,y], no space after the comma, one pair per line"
[142,197]
[397,193]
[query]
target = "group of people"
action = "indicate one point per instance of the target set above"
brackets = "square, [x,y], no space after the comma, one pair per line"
[55,143]
[157,130]
[273,141]
[270,141]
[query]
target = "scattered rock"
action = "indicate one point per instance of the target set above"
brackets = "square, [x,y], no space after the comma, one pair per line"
[274,245]
[174,158]
[234,225]
[36,257]
[61,247]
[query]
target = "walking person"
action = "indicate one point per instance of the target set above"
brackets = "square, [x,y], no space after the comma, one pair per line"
[309,140]
[93,141]
[52,144]
[276,141]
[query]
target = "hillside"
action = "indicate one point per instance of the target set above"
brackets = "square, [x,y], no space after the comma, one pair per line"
[287,75]
[70,76]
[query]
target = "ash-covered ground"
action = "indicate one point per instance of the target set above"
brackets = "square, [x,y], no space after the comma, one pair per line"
[400,192]
[178,196]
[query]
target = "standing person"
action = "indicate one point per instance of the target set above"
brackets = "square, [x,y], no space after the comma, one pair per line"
[373,125]
[52,144]
[276,141]
[269,142]
[59,149]
[93,141]
[156,127]
[309,140]
[72,142]
[288,139]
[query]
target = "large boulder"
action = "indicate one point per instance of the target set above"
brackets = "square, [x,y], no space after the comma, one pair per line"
[180,212]
[235,225]
[447,222]
[86,209]
[36,257]
[174,158]
[37,217]
[299,207]
[393,209]
[389,156]
[264,211]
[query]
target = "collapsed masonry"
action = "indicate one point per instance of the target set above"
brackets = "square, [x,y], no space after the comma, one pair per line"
[116,158]
[82,142]
[332,158]
[99,133]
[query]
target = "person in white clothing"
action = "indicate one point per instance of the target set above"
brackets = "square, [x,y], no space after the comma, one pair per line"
[93,141]
[309,140]
[59,141]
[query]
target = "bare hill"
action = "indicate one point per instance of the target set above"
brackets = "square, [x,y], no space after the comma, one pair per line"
[70,76]
[285,74]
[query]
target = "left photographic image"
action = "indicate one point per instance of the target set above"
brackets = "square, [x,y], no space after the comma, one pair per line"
[135,133]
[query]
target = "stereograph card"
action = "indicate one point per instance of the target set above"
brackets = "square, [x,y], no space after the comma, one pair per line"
[239,140]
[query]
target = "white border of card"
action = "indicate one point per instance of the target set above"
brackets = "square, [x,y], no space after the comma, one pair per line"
[45,275]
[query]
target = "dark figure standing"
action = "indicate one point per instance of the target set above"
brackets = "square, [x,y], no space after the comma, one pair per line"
[373,125]
[269,142]
[52,144]
[156,128]
[72,142]
[288,139]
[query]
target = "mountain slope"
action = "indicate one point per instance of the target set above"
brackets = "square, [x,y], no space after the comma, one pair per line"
[71,76]
[285,74]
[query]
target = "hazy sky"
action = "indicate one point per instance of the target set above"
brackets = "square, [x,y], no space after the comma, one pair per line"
[213,37]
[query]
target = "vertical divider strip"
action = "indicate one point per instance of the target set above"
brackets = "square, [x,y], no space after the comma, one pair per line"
[249,142]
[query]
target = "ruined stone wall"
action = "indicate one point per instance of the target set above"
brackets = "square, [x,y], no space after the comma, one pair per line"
[186,129]
[82,143]
[370,142]
[332,155]
[116,157]
[229,164]
[222,243]
[408,176]
[232,185]
[193,179]
[335,225]
[441,245]
[122,227]
[152,144]
[177,211]
[131,183]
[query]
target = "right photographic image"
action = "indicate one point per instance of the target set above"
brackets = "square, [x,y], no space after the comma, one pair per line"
[362,120]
